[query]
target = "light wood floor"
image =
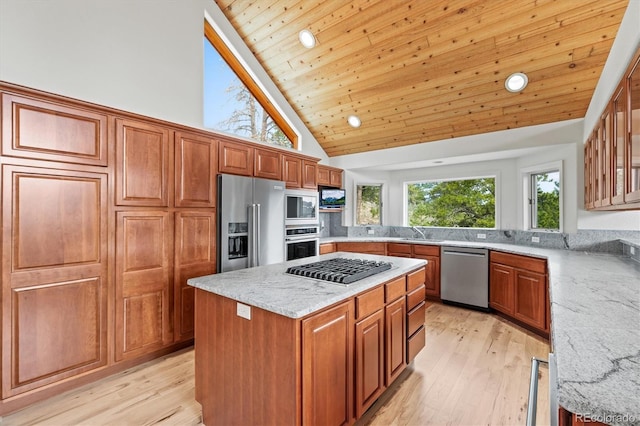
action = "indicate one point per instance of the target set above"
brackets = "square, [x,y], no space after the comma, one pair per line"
[474,371]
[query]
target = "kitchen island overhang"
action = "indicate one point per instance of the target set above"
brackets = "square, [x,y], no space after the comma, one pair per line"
[275,348]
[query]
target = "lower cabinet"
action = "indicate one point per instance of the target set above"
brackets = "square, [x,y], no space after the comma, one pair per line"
[143,297]
[518,287]
[362,247]
[431,254]
[327,367]
[327,248]
[369,351]
[395,339]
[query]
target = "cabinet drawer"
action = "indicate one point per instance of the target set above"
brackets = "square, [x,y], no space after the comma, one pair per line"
[517,261]
[399,249]
[415,297]
[394,289]
[415,318]
[415,344]
[426,250]
[369,302]
[371,248]
[415,279]
[327,248]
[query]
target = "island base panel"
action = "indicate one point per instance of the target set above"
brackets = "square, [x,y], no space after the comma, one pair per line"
[246,369]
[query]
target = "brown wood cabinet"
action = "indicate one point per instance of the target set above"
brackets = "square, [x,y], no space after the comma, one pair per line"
[54,273]
[395,339]
[44,130]
[329,176]
[309,175]
[370,248]
[327,248]
[612,151]
[518,287]
[429,253]
[268,164]
[142,164]
[235,158]
[292,171]
[196,163]
[327,367]
[369,356]
[195,256]
[144,308]
[106,214]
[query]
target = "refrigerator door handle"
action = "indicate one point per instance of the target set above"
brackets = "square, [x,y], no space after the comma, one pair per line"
[257,235]
[252,235]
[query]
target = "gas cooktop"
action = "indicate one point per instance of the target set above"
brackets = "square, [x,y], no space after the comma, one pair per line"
[340,270]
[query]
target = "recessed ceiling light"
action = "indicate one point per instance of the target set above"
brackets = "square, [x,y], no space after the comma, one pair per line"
[354,121]
[438,162]
[516,82]
[307,39]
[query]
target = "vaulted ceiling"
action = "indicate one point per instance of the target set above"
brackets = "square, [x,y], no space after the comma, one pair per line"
[423,70]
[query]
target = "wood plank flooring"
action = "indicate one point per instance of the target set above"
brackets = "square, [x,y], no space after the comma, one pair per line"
[474,371]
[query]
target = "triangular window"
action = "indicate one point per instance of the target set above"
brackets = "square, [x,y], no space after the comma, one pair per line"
[234,103]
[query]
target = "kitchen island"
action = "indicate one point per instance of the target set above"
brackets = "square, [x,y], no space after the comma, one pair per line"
[275,348]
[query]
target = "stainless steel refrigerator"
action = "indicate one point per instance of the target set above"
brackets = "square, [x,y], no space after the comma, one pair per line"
[250,222]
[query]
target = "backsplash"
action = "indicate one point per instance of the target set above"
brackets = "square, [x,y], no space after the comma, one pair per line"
[592,240]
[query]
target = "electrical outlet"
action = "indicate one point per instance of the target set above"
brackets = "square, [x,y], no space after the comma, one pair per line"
[243,311]
[482,236]
[535,239]
[633,250]
[371,231]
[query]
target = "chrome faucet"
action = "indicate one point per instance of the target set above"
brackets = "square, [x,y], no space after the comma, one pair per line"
[419,232]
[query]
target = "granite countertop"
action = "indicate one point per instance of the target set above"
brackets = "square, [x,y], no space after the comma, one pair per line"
[595,327]
[270,288]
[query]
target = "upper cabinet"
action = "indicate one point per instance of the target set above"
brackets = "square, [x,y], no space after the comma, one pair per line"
[633,142]
[142,164]
[43,130]
[235,158]
[267,164]
[612,152]
[329,176]
[195,170]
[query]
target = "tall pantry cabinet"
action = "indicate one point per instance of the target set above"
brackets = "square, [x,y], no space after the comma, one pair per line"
[105,215]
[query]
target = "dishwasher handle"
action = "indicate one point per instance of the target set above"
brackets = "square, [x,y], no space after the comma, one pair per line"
[464,253]
[533,391]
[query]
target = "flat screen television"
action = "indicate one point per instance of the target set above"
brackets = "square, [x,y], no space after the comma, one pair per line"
[332,198]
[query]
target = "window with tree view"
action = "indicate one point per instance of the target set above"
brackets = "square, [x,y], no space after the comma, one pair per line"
[465,203]
[545,200]
[234,103]
[369,205]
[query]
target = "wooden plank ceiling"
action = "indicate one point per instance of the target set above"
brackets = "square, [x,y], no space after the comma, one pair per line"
[423,70]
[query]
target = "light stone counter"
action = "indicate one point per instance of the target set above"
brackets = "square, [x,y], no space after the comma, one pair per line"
[595,327]
[271,288]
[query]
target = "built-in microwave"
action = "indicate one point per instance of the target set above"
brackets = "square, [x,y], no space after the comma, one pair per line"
[301,207]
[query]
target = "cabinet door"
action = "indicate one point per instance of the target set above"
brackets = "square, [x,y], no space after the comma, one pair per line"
[52,131]
[619,131]
[395,339]
[369,361]
[292,171]
[142,164]
[327,367]
[327,248]
[54,274]
[605,159]
[309,174]
[370,248]
[336,178]
[144,309]
[235,158]
[195,170]
[324,176]
[501,288]
[530,298]
[195,256]
[432,278]
[633,141]
[268,164]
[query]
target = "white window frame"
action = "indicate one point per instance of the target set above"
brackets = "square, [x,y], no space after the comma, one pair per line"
[527,192]
[355,201]
[497,197]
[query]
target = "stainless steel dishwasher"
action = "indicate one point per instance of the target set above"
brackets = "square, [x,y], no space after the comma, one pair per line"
[464,276]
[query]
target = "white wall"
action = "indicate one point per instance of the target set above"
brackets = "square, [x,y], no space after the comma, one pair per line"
[143,56]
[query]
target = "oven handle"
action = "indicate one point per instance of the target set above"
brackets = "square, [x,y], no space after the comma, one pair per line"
[302,238]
